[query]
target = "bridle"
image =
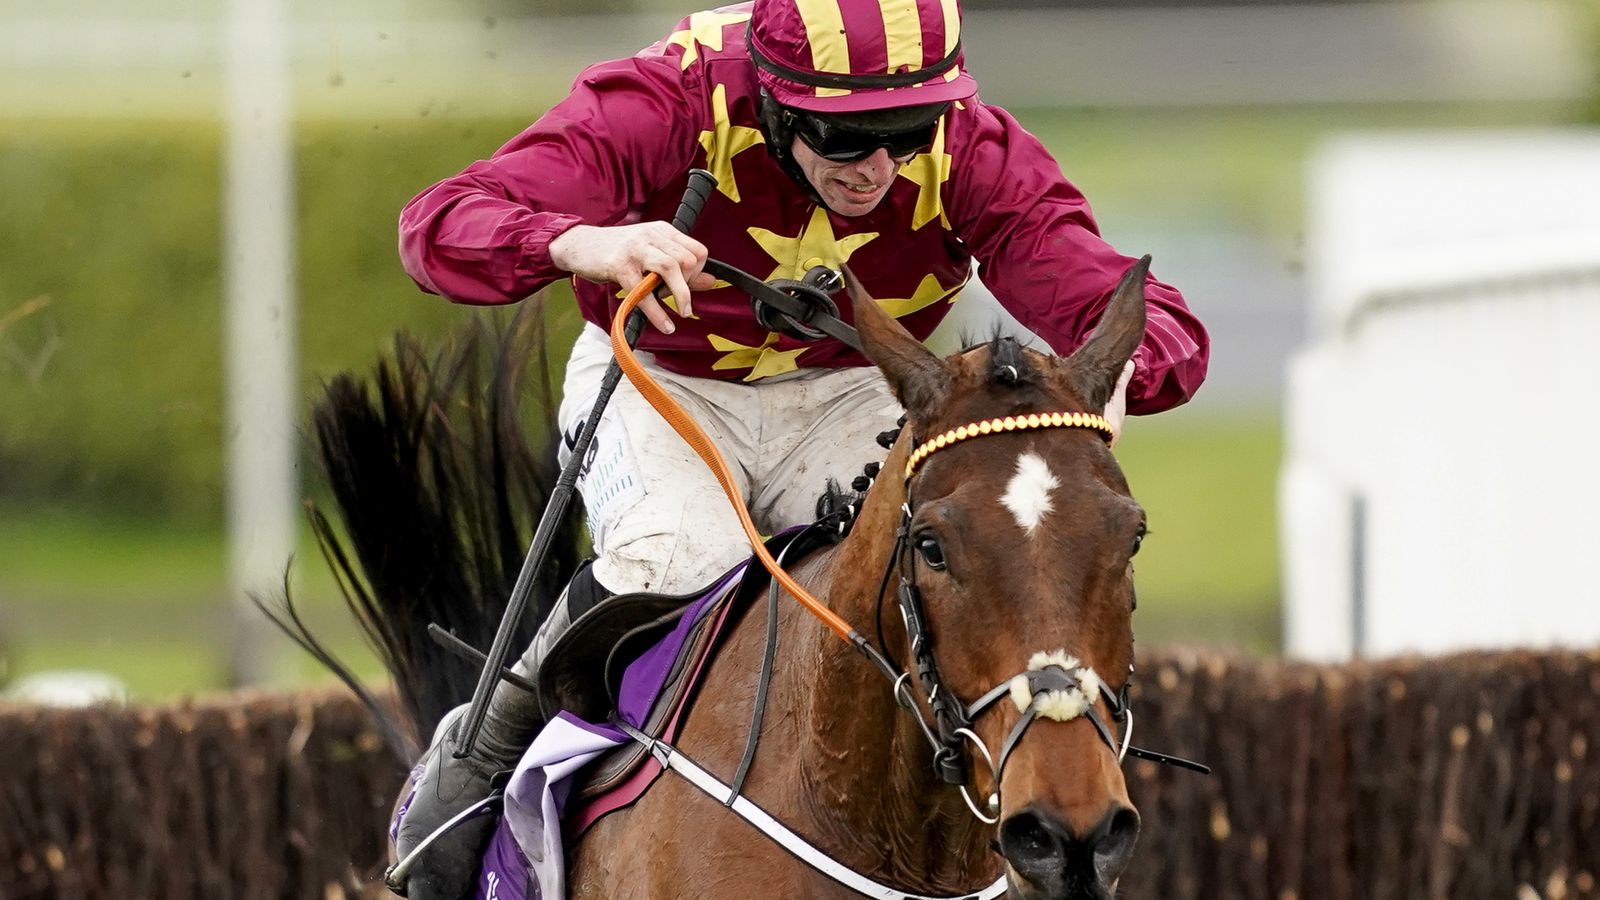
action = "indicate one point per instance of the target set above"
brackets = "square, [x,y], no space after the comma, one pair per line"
[1054,685]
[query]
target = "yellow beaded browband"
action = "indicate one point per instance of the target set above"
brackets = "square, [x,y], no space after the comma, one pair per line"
[1009,423]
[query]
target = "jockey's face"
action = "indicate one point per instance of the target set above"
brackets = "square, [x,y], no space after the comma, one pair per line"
[849,188]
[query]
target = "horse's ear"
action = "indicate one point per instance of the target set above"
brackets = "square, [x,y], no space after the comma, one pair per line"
[1094,367]
[916,375]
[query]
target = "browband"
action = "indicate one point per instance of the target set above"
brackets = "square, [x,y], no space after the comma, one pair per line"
[1009,423]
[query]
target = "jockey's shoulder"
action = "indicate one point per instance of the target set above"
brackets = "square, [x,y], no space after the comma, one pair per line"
[712,39]
[703,62]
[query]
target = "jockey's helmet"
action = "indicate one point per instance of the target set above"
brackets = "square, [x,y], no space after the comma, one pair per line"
[859,56]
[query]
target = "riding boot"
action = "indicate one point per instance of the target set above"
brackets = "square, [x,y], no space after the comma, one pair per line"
[583,593]
[446,785]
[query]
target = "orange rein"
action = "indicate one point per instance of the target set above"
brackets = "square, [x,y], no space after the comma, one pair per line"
[700,442]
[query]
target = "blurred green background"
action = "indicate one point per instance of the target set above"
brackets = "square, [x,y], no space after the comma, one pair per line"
[112,547]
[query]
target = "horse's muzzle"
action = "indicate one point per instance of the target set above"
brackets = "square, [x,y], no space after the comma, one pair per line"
[1049,862]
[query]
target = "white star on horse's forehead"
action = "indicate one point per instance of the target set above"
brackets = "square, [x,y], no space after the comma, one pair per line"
[1028,494]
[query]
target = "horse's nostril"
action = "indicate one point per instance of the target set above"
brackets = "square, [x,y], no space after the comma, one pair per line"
[1042,850]
[1035,846]
[1113,844]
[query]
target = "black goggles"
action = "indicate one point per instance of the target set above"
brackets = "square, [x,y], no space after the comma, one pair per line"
[836,143]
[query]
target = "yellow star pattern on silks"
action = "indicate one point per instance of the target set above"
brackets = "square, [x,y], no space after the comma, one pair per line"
[815,245]
[704,28]
[762,361]
[929,292]
[670,301]
[929,171]
[726,141]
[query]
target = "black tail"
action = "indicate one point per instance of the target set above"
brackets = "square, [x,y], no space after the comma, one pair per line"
[437,488]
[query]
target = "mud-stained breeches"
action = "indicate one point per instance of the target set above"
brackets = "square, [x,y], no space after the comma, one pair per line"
[658,518]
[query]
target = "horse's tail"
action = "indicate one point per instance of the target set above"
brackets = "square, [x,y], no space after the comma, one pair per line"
[436,487]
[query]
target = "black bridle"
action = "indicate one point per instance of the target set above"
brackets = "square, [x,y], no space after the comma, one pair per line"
[952,726]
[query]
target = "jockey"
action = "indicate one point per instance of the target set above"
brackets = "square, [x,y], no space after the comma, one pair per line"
[840,131]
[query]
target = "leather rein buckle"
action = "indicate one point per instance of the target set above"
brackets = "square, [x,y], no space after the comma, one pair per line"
[801,309]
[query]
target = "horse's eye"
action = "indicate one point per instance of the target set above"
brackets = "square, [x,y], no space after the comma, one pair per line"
[932,553]
[1138,540]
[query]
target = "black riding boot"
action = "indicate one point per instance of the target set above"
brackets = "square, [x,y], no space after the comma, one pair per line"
[448,870]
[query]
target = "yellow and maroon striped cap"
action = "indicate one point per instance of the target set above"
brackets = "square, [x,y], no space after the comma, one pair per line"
[834,56]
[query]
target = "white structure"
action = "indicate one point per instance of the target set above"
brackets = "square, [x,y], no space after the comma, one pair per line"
[1442,483]
[258,244]
[67,688]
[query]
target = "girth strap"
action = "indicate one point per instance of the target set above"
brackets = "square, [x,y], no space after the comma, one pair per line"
[670,758]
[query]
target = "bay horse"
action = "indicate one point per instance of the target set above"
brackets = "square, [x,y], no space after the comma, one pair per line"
[1003,528]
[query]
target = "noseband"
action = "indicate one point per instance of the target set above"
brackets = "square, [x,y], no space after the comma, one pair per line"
[1054,686]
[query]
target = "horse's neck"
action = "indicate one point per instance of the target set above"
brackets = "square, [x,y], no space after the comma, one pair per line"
[869,789]
[865,767]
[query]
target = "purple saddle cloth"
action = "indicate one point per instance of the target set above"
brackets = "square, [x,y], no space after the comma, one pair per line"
[525,859]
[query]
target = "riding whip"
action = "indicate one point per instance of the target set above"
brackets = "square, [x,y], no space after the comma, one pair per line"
[701,184]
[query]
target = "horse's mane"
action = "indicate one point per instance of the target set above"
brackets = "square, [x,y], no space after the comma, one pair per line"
[435,489]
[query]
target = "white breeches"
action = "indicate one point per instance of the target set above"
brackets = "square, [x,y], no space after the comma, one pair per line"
[658,518]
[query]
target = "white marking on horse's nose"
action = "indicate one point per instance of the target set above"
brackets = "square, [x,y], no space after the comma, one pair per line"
[1028,494]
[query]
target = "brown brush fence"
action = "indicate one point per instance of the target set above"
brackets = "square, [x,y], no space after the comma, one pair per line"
[1470,777]
[1474,776]
[237,797]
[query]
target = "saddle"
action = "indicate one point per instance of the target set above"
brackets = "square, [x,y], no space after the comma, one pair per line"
[584,671]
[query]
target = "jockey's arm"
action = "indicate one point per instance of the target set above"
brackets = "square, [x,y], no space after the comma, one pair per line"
[1043,257]
[488,234]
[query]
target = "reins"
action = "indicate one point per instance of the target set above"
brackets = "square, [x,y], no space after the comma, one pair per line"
[700,442]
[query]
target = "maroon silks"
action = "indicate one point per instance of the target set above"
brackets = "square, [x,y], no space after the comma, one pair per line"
[618,148]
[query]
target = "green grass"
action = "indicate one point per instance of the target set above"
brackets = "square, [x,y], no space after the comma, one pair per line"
[145,601]
[112,391]
[183,663]
[1208,571]
[62,558]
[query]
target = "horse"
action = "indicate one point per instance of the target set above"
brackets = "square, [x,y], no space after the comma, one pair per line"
[1003,528]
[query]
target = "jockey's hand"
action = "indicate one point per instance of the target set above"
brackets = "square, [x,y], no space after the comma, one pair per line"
[1117,406]
[625,254]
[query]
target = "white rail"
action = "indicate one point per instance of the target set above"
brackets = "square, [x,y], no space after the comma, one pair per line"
[1440,490]
[258,261]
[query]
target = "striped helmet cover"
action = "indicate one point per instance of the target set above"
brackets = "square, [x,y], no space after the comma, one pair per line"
[840,56]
